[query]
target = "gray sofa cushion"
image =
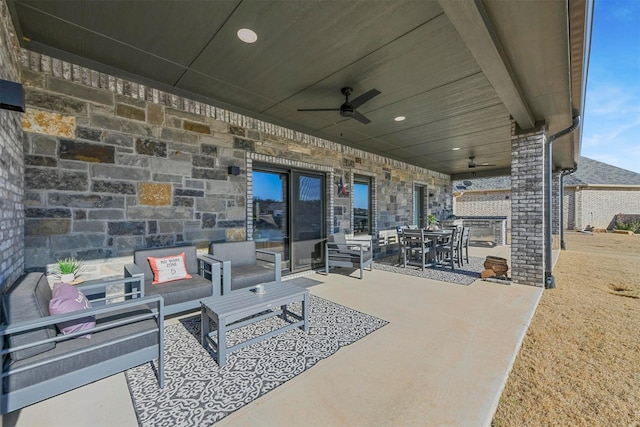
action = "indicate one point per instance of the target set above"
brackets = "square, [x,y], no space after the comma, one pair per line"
[92,357]
[179,291]
[250,275]
[28,299]
[140,258]
[239,253]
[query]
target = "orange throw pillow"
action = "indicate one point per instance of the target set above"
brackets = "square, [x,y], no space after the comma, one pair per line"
[169,268]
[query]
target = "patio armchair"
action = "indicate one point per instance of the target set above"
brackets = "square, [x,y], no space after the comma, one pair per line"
[343,252]
[244,266]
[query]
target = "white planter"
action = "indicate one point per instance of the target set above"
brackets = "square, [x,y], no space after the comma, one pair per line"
[67,278]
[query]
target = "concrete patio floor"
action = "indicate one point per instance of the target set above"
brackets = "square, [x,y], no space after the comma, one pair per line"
[441,361]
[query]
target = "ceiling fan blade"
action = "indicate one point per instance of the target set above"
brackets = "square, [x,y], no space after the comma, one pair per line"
[361,118]
[318,109]
[355,103]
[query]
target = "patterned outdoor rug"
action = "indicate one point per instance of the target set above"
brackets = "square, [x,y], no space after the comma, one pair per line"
[464,275]
[198,393]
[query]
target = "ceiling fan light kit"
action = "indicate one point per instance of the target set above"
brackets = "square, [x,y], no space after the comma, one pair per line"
[348,109]
[473,164]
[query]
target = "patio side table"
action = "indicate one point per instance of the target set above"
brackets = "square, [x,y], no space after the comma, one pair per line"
[244,307]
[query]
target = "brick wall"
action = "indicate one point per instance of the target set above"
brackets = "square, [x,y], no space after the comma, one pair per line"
[598,207]
[112,166]
[11,163]
[484,203]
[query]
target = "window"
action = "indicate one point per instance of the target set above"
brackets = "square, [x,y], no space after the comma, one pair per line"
[362,205]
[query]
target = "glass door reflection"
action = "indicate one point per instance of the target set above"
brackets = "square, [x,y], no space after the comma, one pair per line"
[270,213]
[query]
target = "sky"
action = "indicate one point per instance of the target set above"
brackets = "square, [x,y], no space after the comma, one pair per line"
[611,132]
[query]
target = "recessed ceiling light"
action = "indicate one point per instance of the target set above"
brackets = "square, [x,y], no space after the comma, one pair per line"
[399,118]
[247,35]
[455,149]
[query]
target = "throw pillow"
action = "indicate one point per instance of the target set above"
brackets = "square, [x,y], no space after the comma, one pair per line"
[167,269]
[67,299]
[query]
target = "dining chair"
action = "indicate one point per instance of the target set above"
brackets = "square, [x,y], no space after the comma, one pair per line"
[464,244]
[416,248]
[448,250]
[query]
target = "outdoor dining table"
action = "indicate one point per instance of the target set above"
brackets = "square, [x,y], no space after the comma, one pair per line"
[421,245]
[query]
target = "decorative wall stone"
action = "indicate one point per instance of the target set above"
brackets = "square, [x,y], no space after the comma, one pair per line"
[154,194]
[209,174]
[48,123]
[47,227]
[40,161]
[196,127]
[155,114]
[88,134]
[244,144]
[54,102]
[126,227]
[151,148]
[48,179]
[209,150]
[130,112]
[86,152]
[118,187]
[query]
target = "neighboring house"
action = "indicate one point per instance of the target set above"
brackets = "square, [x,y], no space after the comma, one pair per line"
[593,195]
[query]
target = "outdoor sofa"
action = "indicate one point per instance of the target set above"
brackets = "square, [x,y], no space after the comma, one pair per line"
[39,363]
[179,295]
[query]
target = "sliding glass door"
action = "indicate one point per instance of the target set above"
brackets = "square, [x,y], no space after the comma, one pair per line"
[288,215]
[307,220]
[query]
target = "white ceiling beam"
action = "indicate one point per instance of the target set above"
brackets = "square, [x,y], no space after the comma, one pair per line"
[472,23]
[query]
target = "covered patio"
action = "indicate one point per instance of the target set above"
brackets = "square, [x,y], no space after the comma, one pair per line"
[148,127]
[442,360]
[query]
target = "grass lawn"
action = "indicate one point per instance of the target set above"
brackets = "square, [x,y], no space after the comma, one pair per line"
[580,362]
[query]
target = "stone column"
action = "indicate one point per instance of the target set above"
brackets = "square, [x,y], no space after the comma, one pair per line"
[527,207]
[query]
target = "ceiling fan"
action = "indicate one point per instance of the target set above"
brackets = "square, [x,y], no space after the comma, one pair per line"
[348,109]
[473,164]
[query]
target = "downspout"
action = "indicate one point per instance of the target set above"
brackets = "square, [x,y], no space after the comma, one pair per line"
[549,280]
[564,173]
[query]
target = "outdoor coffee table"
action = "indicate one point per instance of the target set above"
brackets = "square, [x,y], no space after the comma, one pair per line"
[244,307]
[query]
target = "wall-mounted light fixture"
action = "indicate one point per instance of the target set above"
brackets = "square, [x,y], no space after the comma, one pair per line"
[11,96]
[234,170]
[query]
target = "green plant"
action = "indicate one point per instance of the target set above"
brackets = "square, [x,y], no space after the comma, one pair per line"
[69,266]
[432,219]
[633,226]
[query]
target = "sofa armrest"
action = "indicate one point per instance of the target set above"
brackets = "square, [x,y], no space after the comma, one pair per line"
[96,290]
[209,268]
[273,258]
[134,281]
[154,303]
[224,271]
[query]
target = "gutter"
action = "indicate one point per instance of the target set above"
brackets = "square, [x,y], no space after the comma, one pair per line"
[563,173]
[549,280]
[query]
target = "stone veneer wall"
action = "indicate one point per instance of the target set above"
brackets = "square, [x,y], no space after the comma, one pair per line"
[527,208]
[112,166]
[11,162]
